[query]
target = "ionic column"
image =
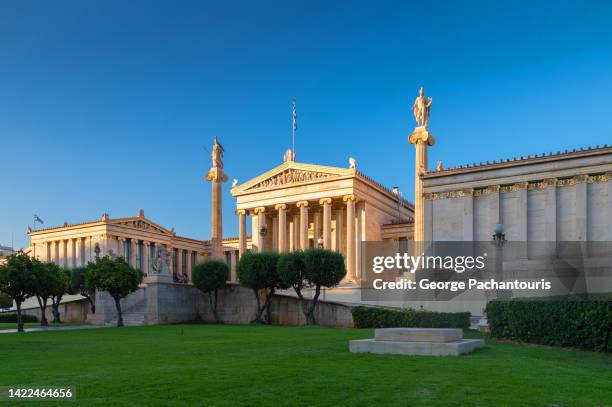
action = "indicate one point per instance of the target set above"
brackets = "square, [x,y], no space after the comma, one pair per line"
[145,257]
[62,253]
[316,223]
[295,232]
[303,205]
[350,235]
[121,248]
[179,262]
[326,202]
[282,227]
[134,253]
[241,231]
[233,260]
[261,222]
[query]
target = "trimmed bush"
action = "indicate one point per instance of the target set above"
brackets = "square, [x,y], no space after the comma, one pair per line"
[371,317]
[584,324]
[12,318]
[209,277]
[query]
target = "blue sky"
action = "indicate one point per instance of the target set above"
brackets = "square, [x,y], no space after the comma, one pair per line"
[107,106]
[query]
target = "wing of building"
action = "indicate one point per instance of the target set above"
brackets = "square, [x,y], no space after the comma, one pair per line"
[295,206]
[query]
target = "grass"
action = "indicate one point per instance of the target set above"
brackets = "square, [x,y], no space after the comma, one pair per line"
[211,365]
[13,325]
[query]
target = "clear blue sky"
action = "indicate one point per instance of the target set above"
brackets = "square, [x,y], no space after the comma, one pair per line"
[106,106]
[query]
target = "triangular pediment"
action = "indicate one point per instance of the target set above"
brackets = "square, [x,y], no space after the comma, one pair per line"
[290,173]
[142,224]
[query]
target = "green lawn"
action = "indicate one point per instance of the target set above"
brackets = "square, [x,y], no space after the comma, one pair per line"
[294,366]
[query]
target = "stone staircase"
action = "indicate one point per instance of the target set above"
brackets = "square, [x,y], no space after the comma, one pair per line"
[133,309]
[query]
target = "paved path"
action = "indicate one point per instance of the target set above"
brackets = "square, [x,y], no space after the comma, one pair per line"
[53,328]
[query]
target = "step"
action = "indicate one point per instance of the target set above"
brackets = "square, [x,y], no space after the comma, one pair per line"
[437,335]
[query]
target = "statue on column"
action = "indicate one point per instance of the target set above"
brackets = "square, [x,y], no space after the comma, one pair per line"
[421,109]
[216,172]
[216,176]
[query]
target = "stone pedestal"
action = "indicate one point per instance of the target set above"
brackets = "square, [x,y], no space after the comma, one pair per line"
[417,341]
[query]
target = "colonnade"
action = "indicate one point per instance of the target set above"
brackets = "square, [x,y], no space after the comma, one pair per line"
[333,223]
[78,251]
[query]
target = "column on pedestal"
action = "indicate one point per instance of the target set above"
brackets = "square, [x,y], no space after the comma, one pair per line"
[282,227]
[350,235]
[326,202]
[303,205]
[241,231]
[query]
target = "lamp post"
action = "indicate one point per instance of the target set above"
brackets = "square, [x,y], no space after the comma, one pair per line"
[320,243]
[499,239]
[97,251]
[263,230]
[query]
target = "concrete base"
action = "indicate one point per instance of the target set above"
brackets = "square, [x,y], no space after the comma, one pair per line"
[454,348]
[418,334]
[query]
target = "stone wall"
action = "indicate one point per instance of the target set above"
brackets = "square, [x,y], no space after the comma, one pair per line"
[162,303]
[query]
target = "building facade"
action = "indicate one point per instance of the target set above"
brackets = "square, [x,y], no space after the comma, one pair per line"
[297,206]
[136,238]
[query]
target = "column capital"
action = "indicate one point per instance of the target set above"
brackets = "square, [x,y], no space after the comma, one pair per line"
[551,182]
[300,204]
[259,209]
[280,206]
[241,212]
[146,243]
[324,201]
[348,198]
[121,238]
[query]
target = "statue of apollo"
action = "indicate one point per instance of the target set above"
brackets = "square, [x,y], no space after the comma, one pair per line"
[421,109]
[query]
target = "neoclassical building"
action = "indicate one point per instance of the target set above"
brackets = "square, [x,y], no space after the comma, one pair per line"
[135,238]
[296,206]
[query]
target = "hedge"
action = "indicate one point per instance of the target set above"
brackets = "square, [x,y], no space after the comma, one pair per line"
[12,317]
[585,324]
[371,317]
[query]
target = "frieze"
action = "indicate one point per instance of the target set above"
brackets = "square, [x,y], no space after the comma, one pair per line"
[537,185]
[291,176]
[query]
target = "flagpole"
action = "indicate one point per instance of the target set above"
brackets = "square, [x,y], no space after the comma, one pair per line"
[293,132]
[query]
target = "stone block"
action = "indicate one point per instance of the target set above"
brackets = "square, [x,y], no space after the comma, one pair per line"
[418,334]
[454,348]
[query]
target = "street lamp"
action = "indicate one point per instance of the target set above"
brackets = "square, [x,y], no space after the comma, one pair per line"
[499,237]
[97,251]
[320,243]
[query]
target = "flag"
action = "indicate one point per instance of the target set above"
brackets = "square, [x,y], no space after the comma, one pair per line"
[294,116]
[37,219]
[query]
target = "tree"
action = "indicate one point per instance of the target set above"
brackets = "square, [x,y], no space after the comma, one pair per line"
[323,268]
[292,273]
[62,286]
[45,282]
[80,283]
[5,300]
[257,271]
[115,277]
[17,281]
[209,277]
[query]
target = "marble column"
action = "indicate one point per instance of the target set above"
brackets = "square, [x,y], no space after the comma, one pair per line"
[282,227]
[303,205]
[339,230]
[551,210]
[134,254]
[78,252]
[261,222]
[179,262]
[421,138]
[121,248]
[241,231]
[146,247]
[350,235]
[274,226]
[316,226]
[581,207]
[234,260]
[295,232]
[254,231]
[326,202]
[62,253]
[216,176]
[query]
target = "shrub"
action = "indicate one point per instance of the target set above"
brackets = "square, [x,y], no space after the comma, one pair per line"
[257,271]
[12,318]
[372,317]
[323,268]
[584,324]
[208,277]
